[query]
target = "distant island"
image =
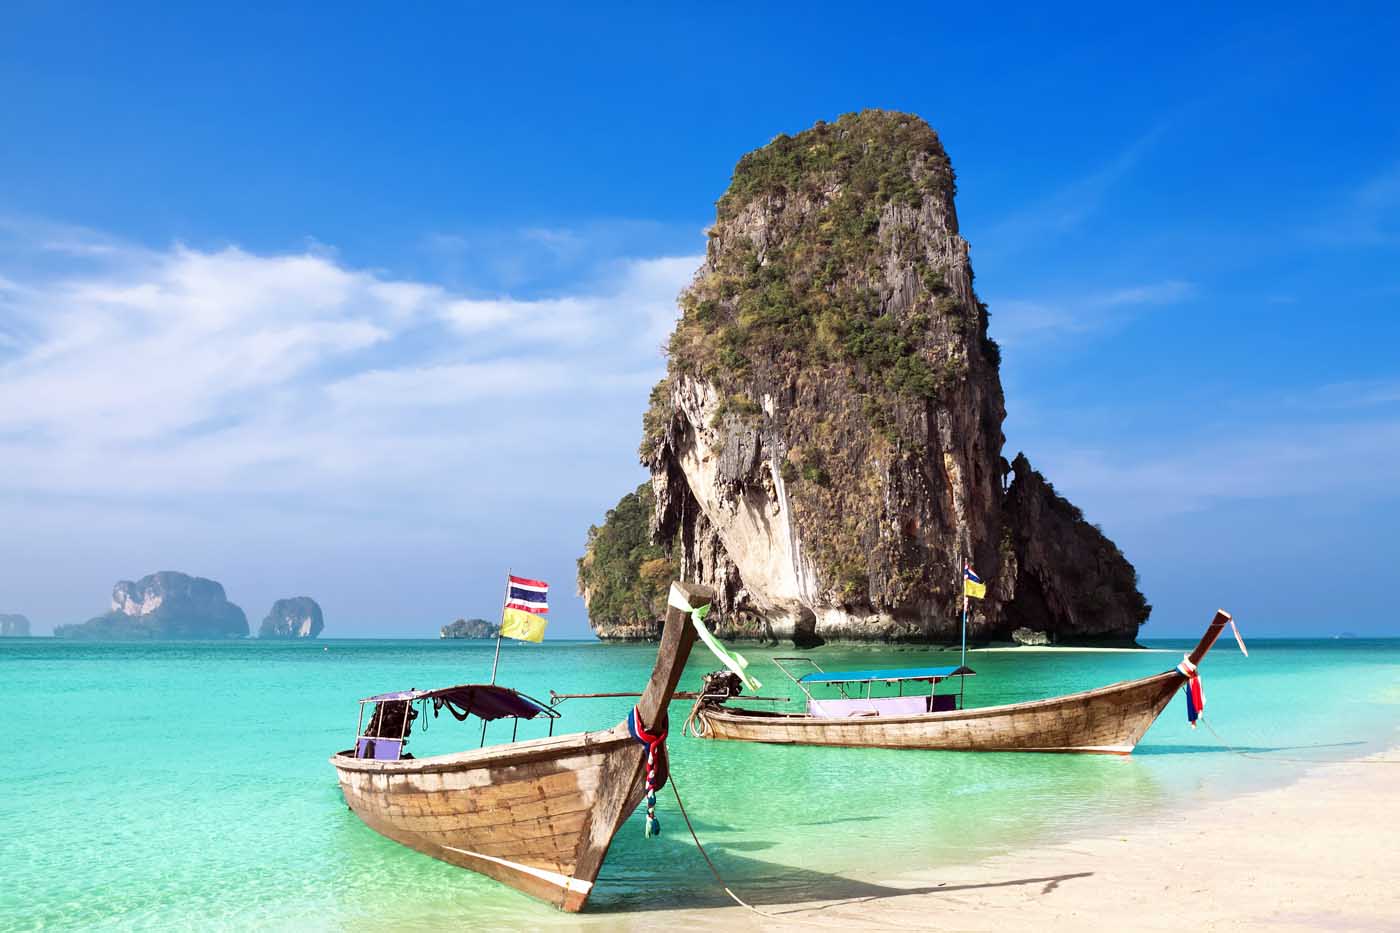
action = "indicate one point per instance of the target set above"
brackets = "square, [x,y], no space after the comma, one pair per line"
[13,625]
[163,605]
[296,617]
[468,628]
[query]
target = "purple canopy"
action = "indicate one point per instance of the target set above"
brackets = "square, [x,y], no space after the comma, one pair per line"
[487,701]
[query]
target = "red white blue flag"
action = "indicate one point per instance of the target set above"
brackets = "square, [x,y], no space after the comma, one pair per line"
[528,595]
[526,608]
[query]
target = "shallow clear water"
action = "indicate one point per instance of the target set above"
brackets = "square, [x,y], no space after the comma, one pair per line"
[186,785]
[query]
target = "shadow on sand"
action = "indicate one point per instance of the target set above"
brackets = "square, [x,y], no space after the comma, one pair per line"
[762,884]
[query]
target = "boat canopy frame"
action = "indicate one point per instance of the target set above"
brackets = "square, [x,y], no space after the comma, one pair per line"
[499,703]
[842,680]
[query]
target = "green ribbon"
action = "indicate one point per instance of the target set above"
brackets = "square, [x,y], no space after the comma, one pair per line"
[734,661]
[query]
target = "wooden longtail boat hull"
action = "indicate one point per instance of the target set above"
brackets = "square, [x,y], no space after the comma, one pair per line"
[1107,720]
[1111,720]
[537,815]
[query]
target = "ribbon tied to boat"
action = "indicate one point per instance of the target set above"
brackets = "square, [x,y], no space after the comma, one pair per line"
[1195,695]
[735,661]
[655,743]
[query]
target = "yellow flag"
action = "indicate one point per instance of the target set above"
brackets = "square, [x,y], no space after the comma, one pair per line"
[975,590]
[522,625]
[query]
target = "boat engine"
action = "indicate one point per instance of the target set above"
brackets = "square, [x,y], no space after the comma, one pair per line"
[718,686]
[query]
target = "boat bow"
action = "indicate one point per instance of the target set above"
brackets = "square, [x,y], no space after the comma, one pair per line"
[538,815]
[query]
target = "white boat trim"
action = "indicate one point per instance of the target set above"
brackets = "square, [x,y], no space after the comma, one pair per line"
[553,877]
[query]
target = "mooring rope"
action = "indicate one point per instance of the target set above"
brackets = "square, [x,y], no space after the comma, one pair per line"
[1198,715]
[1302,761]
[713,870]
[690,728]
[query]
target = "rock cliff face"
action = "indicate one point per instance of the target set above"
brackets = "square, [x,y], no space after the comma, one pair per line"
[469,628]
[164,605]
[13,625]
[297,617]
[1061,569]
[826,446]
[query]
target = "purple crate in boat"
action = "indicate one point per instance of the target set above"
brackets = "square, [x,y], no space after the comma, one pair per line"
[378,749]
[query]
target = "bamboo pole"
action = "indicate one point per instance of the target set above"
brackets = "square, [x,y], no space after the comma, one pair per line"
[962,678]
[557,698]
[505,598]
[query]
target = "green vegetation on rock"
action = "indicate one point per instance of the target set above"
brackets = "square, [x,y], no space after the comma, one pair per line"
[622,575]
[868,151]
[815,290]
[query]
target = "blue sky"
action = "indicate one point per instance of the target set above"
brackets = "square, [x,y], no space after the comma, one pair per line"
[366,306]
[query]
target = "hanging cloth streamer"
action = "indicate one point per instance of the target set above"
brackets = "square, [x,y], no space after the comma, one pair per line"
[1238,640]
[735,661]
[1195,695]
[655,743]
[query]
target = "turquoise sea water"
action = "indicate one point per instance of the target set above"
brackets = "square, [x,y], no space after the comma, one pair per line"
[186,786]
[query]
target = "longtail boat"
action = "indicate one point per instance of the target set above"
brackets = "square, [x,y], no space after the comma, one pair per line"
[538,815]
[1107,720]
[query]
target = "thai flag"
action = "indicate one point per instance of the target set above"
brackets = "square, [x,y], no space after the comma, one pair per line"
[528,595]
[970,574]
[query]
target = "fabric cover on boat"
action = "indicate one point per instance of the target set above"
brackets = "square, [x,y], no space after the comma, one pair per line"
[378,749]
[900,673]
[875,706]
[488,701]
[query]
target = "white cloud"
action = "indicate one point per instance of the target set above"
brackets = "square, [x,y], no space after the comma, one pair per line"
[1368,216]
[1265,453]
[1017,321]
[227,372]
[1068,207]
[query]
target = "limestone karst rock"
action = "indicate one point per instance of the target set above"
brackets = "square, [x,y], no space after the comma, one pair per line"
[1064,573]
[13,625]
[826,445]
[295,617]
[469,628]
[167,604]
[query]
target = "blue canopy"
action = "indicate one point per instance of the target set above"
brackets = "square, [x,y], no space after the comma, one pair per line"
[934,674]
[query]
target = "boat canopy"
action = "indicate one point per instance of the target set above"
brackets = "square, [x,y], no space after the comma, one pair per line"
[930,674]
[486,701]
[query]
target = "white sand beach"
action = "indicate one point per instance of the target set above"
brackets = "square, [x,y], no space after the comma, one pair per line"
[1320,853]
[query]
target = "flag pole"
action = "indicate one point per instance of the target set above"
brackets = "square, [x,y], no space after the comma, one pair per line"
[505,597]
[497,659]
[962,678]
